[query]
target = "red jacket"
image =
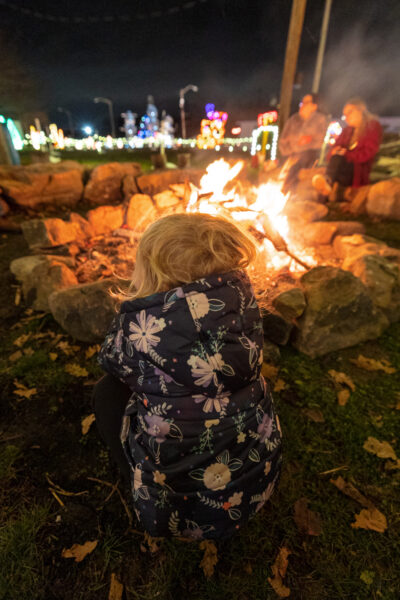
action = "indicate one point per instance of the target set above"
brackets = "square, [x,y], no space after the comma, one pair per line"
[364,153]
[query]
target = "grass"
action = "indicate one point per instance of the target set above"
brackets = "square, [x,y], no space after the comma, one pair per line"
[42,435]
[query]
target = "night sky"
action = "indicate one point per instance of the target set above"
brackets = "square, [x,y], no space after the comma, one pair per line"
[232,49]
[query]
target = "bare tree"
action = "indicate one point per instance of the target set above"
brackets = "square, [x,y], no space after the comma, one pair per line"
[18,91]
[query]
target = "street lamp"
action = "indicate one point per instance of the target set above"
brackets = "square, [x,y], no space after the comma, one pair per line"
[69,116]
[182,93]
[110,108]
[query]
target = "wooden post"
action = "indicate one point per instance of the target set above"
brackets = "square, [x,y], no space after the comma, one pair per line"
[292,52]
[321,47]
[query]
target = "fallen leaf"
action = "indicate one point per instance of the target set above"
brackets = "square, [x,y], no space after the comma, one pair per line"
[53,355]
[23,391]
[349,490]
[342,378]
[307,521]
[279,571]
[314,414]
[367,577]
[370,518]
[116,588]
[91,351]
[76,370]
[17,298]
[28,351]
[152,542]
[15,356]
[248,568]
[381,449]
[342,396]
[398,405]
[67,348]
[79,551]
[279,385]
[370,364]
[22,339]
[210,557]
[86,423]
[269,371]
[392,466]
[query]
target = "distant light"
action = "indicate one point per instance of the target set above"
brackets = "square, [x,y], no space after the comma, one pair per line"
[230,148]
[244,148]
[236,130]
[87,129]
[2,119]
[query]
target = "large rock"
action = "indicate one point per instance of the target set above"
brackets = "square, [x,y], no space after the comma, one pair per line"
[106,182]
[83,229]
[166,199]
[32,189]
[339,312]
[356,199]
[42,275]
[350,248]
[318,233]
[140,212]
[85,311]
[290,303]
[384,199]
[105,219]
[305,211]
[45,233]
[154,183]
[276,328]
[4,208]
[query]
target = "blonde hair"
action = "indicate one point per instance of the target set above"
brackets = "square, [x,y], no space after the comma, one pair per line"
[181,248]
[367,116]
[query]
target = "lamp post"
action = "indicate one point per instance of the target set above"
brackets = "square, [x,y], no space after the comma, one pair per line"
[182,93]
[69,117]
[110,109]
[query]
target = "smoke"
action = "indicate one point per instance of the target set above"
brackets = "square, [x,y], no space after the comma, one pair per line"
[363,64]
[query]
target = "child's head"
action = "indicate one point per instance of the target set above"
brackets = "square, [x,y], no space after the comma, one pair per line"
[179,249]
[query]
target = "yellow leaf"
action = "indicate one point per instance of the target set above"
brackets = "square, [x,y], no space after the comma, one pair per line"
[210,557]
[91,351]
[392,466]
[86,423]
[381,449]
[53,355]
[79,551]
[314,414]
[279,385]
[370,364]
[370,518]
[76,370]
[342,396]
[15,356]
[116,588]
[351,491]
[342,378]
[279,571]
[21,340]
[67,348]
[28,351]
[269,371]
[23,391]
[152,542]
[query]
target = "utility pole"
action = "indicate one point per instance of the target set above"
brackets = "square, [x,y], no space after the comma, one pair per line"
[321,47]
[292,52]
[69,117]
[182,93]
[111,113]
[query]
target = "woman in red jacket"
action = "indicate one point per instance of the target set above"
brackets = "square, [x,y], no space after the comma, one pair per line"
[352,155]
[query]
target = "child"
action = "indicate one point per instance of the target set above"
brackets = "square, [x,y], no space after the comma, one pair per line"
[201,438]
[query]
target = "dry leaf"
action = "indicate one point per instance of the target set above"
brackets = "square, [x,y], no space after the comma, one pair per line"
[381,449]
[314,414]
[17,298]
[307,521]
[76,370]
[67,348]
[342,396]
[392,466]
[349,489]
[91,351]
[28,351]
[342,378]
[269,371]
[279,385]
[22,339]
[279,571]
[23,391]
[152,542]
[116,588]
[53,355]
[86,423]
[370,364]
[79,551]
[15,356]
[370,518]
[210,557]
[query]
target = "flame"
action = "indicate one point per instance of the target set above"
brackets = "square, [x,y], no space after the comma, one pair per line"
[267,199]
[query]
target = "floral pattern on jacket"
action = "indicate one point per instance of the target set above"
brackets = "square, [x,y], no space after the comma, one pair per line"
[200,431]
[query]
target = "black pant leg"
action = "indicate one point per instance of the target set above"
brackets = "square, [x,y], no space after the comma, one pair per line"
[340,170]
[110,397]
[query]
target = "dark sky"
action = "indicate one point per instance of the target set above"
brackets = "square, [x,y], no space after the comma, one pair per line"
[232,49]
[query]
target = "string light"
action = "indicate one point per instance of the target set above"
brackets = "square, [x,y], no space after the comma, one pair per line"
[275,134]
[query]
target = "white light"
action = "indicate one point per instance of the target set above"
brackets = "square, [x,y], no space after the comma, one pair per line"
[87,129]
[192,145]
[258,147]
[244,148]
[230,148]
[217,147]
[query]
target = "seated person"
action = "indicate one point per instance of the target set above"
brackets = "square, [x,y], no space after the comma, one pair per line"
[302,138]
[352,156]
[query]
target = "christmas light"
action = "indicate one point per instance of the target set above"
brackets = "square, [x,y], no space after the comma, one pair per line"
[267,118]
[212,129]
[35,137]
[16,138]
[264,129]
[87,129]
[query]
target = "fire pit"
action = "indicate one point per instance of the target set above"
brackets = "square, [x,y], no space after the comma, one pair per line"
[322,285]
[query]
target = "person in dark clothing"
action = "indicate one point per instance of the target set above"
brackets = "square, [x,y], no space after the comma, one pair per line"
[200,438]
[301,139]
[351,158]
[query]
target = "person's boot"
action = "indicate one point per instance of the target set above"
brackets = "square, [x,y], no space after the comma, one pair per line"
[321,184]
